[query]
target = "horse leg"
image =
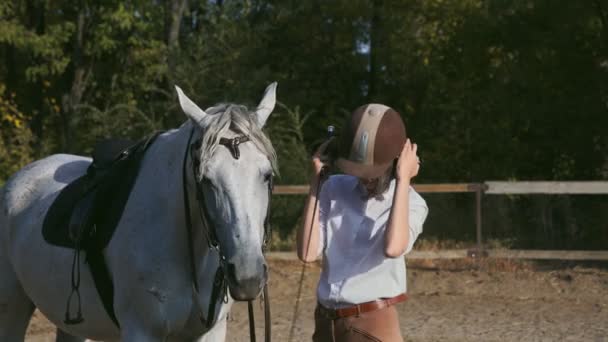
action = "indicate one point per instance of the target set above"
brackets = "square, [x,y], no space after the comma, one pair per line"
[217,332]
[62,336]
[16,308]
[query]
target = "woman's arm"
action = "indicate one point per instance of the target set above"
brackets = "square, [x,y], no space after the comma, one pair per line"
[397,234]
[309,234]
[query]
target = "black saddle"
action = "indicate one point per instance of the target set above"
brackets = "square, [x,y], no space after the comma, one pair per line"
[86,211]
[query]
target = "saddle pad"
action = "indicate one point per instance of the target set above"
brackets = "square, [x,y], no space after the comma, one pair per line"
[107,151]
[111,186]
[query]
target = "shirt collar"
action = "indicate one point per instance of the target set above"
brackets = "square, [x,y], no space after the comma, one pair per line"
[357,188]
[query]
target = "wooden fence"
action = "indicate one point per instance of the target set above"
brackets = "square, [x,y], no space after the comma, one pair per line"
[494,188]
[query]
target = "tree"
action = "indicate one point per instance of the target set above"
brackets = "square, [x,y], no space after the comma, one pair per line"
[15,136]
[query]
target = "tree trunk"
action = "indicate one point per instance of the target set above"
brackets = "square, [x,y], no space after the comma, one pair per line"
[79,81]
[601,13]
[36,22]
[11,67]
[374,47]
[174,12]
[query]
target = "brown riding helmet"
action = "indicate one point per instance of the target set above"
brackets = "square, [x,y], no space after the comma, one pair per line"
[371,140]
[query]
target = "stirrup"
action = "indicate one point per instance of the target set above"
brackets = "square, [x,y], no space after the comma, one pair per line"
[78,318]
[75,291]
[74,320]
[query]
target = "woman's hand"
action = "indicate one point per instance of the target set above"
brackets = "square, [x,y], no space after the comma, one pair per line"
[408,163]
[317,163]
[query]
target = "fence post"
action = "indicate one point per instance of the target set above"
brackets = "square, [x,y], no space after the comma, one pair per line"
[479,250]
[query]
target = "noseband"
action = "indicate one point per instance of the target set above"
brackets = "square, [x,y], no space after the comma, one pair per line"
[220,283]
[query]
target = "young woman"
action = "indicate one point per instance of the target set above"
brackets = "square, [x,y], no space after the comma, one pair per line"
[364,223]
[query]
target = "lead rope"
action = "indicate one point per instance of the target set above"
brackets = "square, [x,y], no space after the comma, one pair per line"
[251,321]
[267,326]
[267,238]
[265,297]
[322,176]
[267,329]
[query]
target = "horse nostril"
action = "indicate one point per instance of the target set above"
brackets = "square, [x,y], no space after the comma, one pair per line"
[235,278]
[245,282]
[232,273]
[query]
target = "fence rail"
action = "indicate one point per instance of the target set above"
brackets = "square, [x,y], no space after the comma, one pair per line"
[572,188]
[498,188]
[492,253]
[422,188]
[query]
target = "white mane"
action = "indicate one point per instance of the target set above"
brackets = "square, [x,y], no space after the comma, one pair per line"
[239,119]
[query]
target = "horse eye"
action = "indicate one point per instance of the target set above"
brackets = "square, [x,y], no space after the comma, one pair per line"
[268,177]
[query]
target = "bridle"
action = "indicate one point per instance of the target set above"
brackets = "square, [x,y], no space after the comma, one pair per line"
[220,283]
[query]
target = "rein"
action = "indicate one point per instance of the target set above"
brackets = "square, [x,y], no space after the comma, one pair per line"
[220,283]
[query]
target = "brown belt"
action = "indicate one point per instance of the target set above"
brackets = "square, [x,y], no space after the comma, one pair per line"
[361,308]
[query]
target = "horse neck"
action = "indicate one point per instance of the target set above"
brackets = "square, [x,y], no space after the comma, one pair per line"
[160,176]
[163,161]
[160,187]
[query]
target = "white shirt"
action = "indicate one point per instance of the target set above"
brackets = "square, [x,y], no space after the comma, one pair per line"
[355,268]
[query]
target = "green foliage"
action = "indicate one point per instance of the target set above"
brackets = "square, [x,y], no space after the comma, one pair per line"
[488,89]
[285,129]
[15,136]
[47,48]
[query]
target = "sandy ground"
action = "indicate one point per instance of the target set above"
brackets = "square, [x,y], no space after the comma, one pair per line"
[449,301]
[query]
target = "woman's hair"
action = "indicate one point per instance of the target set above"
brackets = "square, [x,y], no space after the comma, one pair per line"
[382,185]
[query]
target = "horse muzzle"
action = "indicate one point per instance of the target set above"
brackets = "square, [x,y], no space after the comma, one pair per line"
[246,286]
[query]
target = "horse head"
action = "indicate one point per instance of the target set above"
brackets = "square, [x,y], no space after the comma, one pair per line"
[233,163]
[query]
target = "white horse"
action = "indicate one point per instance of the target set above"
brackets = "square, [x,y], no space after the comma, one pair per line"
[148,256]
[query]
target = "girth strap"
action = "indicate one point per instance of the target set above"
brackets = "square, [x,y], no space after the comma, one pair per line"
[103,282]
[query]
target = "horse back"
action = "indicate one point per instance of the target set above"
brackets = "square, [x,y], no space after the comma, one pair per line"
[38,183]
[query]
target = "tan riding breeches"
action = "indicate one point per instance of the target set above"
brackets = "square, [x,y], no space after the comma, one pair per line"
[379,325]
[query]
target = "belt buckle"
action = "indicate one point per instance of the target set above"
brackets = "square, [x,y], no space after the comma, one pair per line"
[328,313]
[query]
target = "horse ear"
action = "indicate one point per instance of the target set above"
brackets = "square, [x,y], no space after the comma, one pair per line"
[267,104]
[190,108]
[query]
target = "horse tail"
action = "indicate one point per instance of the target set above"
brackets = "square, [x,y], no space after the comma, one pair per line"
[3,212]
[3,224]
[4,221]
[2,209]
